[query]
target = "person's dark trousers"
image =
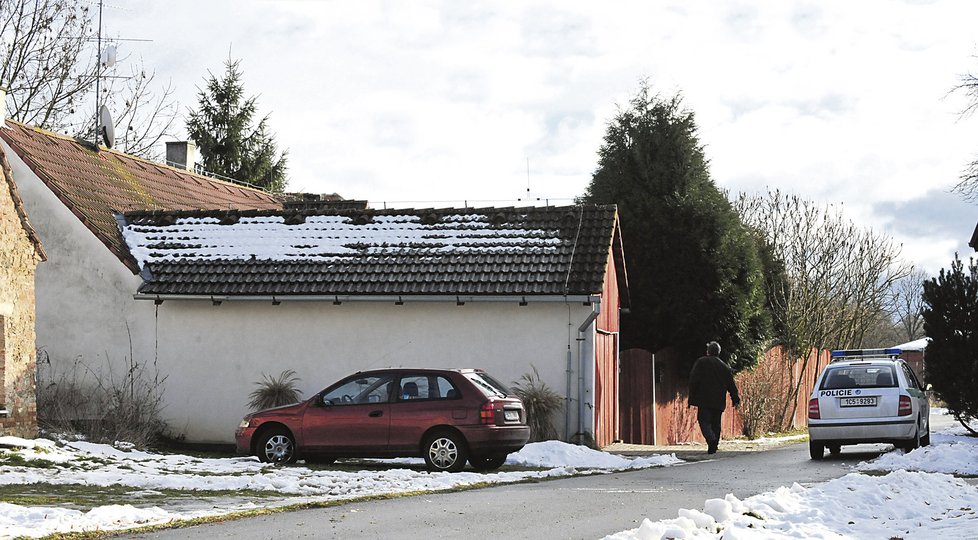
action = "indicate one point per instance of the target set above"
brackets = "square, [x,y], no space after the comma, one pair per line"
[709,420]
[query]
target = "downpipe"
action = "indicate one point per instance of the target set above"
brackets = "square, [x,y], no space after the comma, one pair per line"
[582,364]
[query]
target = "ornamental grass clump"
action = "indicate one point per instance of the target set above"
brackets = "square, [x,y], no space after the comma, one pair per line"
[275,391]
[541,404]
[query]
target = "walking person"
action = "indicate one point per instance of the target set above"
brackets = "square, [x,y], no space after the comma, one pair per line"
[709,383]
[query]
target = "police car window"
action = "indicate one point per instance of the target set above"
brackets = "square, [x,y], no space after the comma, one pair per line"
[868,376]
[911,376]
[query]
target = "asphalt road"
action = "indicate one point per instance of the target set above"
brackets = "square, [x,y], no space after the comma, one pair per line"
[583,507]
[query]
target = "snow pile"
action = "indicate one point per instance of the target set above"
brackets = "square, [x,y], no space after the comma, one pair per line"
[558,454]
[950,452]
[18,521]
[899,505]
[918,499]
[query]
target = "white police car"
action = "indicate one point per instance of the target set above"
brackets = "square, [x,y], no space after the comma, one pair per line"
[867,396]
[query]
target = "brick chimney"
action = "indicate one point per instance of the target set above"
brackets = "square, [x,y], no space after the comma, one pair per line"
[181,154]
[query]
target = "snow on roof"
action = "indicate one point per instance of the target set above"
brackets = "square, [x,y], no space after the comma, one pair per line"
[916,345]
[326,237]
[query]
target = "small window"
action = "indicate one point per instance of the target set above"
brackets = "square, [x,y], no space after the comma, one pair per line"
[446,390]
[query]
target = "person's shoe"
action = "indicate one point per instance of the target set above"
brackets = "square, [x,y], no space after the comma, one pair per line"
[712,449]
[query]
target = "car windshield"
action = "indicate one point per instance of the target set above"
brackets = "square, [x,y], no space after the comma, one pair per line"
[859,376]
[489,386]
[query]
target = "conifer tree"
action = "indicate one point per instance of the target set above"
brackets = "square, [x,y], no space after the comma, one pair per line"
[228,144]
[694,271]
[951,322]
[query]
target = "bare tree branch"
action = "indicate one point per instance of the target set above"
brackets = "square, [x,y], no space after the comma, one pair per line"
[839,276]
[967,187]
[49,65]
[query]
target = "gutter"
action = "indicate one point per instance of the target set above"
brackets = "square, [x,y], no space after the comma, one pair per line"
[389,298]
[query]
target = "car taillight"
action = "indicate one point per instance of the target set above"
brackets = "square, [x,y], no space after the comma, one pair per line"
[813,411]
[906,406]
[487,415]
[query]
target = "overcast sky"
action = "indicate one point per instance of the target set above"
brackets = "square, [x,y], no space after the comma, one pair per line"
[428,103]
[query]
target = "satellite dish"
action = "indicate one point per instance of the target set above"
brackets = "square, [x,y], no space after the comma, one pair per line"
[105,128]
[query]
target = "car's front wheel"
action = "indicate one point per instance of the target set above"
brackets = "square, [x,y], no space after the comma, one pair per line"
[445,451]
[276,446]
[816,450]
[489,462]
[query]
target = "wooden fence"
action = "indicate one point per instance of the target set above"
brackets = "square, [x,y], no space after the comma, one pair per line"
[654,395]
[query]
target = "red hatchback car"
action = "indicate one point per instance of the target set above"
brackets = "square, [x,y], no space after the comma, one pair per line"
[446,416]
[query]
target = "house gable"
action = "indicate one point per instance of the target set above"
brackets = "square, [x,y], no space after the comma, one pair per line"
[18,206]
[20,252]
[93,184]
[535,251]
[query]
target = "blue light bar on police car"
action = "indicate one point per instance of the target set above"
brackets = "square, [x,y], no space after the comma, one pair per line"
[849,353]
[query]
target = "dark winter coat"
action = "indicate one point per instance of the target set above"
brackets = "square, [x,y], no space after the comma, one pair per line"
[709,383]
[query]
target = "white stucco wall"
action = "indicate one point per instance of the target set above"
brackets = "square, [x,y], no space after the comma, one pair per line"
[83,291]
[213,355]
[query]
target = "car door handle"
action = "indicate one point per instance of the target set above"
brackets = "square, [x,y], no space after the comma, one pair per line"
[376,414]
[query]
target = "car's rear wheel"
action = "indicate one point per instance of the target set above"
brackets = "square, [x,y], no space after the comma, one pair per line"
[913,443]
[276,446]
[489,462]
[816,450]
[445,451]
[925,439]
[835,449]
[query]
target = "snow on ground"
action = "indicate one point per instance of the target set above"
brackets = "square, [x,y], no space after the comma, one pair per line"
[898,495]
[916,498]
[85,464]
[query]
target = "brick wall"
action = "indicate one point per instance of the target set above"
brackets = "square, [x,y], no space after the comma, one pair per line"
[18,260]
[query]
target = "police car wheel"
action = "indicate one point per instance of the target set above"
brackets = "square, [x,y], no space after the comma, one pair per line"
[913,443]
[816,450]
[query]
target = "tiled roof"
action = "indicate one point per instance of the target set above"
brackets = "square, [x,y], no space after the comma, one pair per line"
[95,183]
[490,251]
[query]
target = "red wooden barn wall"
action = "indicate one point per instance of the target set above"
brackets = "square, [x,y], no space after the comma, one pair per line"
[606,400]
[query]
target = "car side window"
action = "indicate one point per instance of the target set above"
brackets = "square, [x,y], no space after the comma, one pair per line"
[360,390]
[911,377]
[415,387]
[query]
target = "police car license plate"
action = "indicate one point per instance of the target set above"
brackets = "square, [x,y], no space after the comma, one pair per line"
[512,416]
[868,401]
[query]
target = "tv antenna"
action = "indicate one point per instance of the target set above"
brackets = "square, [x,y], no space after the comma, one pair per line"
[104,129]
